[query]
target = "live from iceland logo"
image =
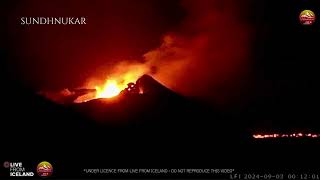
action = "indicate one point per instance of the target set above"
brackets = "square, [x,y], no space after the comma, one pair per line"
[17,169]
[44,169]
[307,17]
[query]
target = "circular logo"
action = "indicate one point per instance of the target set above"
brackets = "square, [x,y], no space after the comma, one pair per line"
[6,164]
[44,169]
[307,17]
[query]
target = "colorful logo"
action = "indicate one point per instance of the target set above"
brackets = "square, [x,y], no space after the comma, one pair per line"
[307,17]
[44,169]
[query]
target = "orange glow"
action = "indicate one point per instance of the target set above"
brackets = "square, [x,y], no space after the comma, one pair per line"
[114,82]
[118,81]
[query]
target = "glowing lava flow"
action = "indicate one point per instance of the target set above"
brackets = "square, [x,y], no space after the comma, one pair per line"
[109,90]
[293,135]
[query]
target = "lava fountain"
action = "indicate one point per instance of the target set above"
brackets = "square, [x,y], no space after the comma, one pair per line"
[115,82]
[109,90]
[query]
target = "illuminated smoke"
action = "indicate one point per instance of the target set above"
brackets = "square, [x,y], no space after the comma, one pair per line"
[209,53]
[206,56]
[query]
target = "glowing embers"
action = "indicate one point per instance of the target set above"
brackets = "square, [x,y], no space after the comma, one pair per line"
[292,135]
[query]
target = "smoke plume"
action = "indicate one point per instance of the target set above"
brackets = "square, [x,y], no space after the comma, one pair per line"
[208,54]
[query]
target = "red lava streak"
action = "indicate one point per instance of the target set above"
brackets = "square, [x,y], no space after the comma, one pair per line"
[292,135]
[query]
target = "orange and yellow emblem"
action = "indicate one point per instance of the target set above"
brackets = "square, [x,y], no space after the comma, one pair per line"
[44,169]
[307,17]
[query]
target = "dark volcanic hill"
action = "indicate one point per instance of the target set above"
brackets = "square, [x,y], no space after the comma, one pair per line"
[160,114]
[156,105]
[130,107]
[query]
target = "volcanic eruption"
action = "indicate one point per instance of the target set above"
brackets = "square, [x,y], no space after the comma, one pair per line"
[140,99]
[114,84]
